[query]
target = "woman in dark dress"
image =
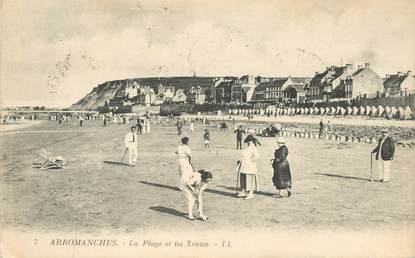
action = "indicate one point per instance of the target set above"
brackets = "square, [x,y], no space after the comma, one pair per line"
[282,173]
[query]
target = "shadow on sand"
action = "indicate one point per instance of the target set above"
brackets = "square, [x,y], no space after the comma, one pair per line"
[115,163]
[213,191]
[177,189]
[232,188]
[344,177]
[170,211]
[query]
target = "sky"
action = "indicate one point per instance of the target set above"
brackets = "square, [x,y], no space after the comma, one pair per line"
[55,52]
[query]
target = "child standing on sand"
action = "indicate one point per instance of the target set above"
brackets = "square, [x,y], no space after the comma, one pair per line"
[206,139]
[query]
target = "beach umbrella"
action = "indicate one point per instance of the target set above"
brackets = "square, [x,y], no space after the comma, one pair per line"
[401,112]
[373,111]
[380,111]
[388,110]
[408,113]
[349,111]
[322,111]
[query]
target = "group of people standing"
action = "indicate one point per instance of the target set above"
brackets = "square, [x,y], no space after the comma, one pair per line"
[193,183]
[247,169]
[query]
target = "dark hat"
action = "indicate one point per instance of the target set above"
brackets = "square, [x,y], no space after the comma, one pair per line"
[185,140]
[249,138]
[205,175]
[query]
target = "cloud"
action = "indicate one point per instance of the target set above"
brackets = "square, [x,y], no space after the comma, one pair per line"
[111,40]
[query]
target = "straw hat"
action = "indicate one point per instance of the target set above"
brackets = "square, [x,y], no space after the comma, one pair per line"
[280,140]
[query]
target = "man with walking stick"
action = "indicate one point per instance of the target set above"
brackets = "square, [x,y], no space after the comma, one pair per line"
[385,149]
[131,143]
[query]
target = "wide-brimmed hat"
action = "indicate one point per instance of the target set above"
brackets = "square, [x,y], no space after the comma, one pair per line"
[385,130]
[280,140]
[249,138]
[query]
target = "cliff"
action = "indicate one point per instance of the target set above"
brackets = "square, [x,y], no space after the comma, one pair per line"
[111,89]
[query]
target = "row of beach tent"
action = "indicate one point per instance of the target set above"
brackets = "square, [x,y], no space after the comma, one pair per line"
[404,113]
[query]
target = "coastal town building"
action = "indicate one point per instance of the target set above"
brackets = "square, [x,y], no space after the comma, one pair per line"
[400,84]
[363,83]
[343,83]
[280,90]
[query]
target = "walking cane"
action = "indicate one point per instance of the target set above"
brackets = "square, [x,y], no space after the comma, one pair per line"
[237,179]
[371,167]
[126,149]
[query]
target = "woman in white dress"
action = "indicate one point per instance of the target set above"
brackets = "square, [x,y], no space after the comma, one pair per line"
[248,169]
[183,158]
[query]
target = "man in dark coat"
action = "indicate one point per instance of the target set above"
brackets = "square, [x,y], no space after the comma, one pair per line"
[239,133]
[282,172]
[385,151]
[179,126]
[321,128]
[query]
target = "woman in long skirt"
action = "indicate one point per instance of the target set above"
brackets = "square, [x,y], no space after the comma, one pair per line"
[184,158]
[282,173]
[248,169]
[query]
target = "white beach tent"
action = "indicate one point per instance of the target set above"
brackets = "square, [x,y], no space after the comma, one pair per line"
[337,110]
[367,110]
[381,110]
[388,110]
[401,113]
[316,111]
[408,113]
[362,110]
[355,111]
[342,111]
[373,111]
[322,111]
[349,111]
[393,111]
[327,111]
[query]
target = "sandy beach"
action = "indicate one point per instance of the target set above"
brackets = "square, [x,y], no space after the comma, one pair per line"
[96,193]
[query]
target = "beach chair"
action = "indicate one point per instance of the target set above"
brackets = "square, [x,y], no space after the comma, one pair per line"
[51,161]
